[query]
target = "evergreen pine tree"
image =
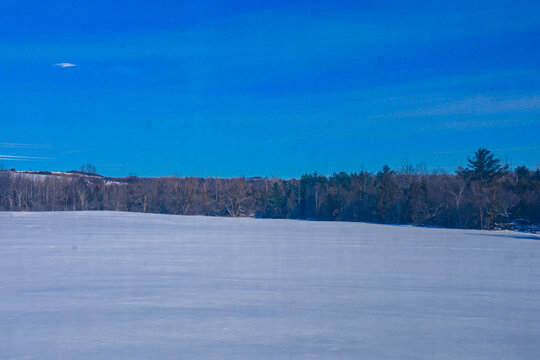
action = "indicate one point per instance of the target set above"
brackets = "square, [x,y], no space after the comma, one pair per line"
[484,166]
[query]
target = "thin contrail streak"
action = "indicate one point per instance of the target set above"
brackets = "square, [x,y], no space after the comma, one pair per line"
[17,157]
[22,146]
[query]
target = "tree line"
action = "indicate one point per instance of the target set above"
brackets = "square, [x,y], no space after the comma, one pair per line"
[480,195]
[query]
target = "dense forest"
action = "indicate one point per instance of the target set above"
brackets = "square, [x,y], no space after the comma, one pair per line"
[481,195]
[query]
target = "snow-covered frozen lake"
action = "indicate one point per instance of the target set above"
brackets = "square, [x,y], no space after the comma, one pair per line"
[107,285]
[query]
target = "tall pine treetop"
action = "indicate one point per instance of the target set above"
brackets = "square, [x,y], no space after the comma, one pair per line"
[484,166]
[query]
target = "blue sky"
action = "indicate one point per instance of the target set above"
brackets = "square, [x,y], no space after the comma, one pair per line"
[270,88]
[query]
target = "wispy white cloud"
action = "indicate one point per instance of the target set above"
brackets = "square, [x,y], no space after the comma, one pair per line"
[65,65]
[8,145]
[23,158]
[474,105]
[522,148]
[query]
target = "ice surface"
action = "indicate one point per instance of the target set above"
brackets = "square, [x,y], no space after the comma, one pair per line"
[107,285]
